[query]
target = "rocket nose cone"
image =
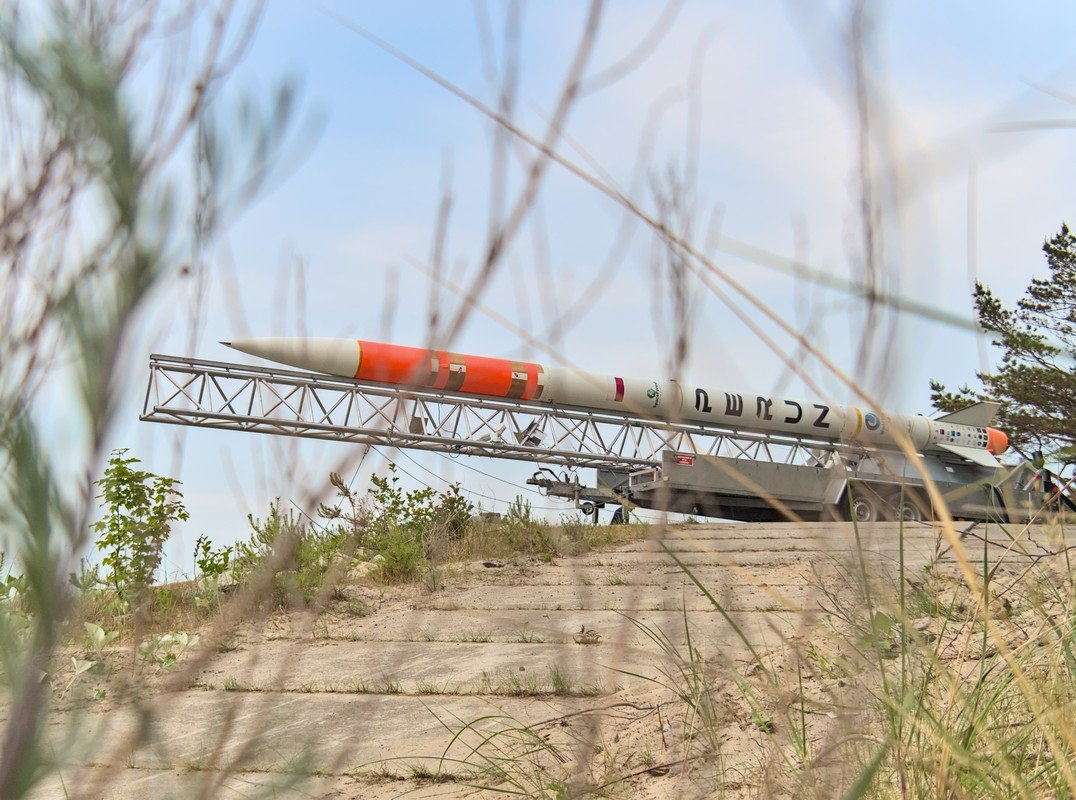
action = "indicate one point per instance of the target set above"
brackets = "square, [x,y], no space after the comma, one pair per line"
[333,356]
[226,344]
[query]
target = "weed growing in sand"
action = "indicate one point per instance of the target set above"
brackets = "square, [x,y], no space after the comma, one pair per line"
[164,650]
[527,637]
[357,607]
[962,685]
[501,754]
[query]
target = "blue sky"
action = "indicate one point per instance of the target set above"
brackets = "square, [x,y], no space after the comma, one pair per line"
[777,156]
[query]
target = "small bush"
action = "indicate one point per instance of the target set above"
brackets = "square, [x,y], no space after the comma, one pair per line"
[576,528]
[519,512]
[14,609]
[409,529]
[211,563]
[140,509]
[402,556]
[523,533]
[453,512]
[311,552]
[395,509]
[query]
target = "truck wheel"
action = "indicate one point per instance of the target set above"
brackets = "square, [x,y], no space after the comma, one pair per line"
[909,512]
[864,508]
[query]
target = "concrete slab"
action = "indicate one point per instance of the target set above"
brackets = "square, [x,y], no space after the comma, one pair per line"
[310,732]
[427,667]
[362,696]
[529,626]
[670,597]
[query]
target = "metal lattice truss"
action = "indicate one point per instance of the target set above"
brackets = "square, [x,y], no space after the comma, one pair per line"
[209,394]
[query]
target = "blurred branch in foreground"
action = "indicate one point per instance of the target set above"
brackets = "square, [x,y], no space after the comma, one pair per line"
[93,219]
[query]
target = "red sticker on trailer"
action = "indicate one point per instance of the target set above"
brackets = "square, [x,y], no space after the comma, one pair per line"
[687,461]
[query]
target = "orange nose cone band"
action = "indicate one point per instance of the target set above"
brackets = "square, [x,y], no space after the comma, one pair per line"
[997,441]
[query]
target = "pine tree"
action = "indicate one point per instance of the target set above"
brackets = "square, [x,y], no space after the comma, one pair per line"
[1036,378]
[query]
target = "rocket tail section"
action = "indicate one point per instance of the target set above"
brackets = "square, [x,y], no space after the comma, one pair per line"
[978,415]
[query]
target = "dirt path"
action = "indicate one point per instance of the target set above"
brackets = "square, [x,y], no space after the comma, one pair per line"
[367,699]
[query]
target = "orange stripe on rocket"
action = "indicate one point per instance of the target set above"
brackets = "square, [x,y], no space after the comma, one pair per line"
[454,372]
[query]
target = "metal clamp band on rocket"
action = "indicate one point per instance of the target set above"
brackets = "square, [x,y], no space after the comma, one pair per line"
[965,433]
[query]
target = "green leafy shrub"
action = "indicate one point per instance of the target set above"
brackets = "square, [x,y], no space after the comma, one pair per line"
[519,512]
[453,512]
[211,563]
[400,525]
[524,533]
[402,556]
[396,509]
[407,528]
[14,609]
[140,510]
[97,639]
[87,579]
[311,552]
[164,650]
[264,536]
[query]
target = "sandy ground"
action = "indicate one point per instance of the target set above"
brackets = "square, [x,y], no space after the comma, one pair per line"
[370,699]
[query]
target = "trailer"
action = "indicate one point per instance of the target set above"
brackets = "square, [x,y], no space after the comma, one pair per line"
[865,489]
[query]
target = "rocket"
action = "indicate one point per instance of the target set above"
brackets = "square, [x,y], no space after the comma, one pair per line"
[965,433]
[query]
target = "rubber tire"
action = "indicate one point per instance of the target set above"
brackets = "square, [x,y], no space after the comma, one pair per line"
[864,508]
[909,512]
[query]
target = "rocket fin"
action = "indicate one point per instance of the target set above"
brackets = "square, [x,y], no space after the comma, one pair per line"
[978,414]
[983,458]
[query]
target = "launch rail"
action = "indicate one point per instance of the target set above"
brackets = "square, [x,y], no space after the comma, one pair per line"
[691,467]
[212,394]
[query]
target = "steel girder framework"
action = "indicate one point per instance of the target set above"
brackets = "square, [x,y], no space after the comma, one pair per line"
[210,394]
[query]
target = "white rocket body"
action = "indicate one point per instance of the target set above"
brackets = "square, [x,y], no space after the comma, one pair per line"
[964,433]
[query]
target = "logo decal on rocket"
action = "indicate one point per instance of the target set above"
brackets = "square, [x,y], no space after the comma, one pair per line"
[654,393]
[823,411]
[702,401]
[872,421]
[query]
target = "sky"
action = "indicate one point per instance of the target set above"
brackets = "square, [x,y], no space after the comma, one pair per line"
[776,167]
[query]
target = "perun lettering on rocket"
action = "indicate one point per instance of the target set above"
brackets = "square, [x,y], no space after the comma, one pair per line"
[964,433]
